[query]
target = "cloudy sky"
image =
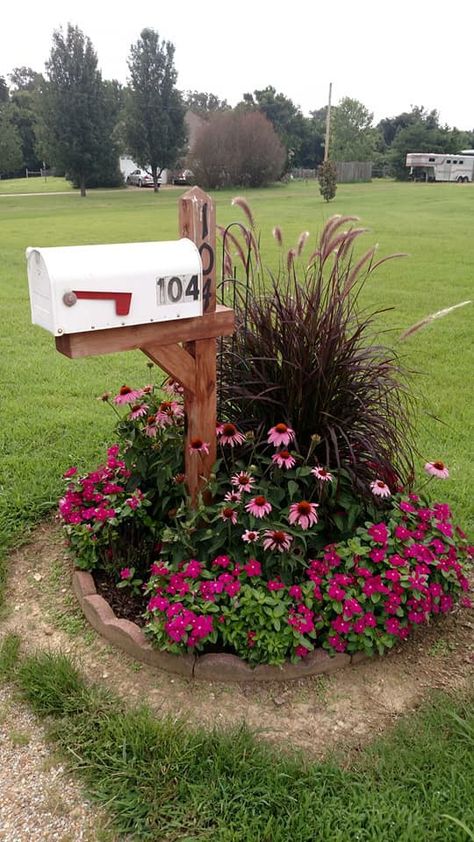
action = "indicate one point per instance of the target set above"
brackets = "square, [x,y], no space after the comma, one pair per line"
[389,56]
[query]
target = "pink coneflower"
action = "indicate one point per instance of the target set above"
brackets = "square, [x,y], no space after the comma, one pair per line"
[250,536]
[243,480]
[259,506]
[172,387]
[275,539]
[229,514]
[284,459]
[322,474]
[280,434]
[168,412]
[233,496]
[437,469]
[127,395]
[304,514]
[150,428]
[137,410]
[229,434]
[199,446]
[380,489]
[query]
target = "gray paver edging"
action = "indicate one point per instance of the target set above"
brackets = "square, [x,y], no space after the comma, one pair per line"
[213,667]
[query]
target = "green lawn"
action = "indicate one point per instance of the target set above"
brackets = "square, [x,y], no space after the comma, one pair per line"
[49,414]
[35,184]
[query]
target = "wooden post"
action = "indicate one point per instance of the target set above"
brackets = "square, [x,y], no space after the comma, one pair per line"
[197,220]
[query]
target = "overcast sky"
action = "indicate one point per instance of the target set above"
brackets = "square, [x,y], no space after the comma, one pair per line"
[387,55]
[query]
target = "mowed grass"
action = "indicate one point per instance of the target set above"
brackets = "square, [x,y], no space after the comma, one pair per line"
[35,184]
[50,416]
[162,780]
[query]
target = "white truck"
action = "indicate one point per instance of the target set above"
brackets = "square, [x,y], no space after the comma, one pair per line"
[435,166]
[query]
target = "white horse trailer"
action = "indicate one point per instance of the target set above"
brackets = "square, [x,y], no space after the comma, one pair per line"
[433,166]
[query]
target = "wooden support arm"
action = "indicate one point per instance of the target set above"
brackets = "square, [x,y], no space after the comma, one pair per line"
[177,362]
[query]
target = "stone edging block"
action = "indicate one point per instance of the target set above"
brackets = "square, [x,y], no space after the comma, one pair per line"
[213,667]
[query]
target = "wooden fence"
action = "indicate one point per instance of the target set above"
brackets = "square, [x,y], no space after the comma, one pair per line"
[347,171]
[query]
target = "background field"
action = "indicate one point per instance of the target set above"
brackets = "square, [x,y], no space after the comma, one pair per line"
[50,417]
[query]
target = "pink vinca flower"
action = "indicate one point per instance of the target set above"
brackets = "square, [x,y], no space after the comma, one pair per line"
[199,446]
[275,539]
[243,480]
[128,395]
[280,435]
[380,489]
[250,536]
[69,473]
[437,469]
[253,567]
[259,506]
[304,514]
[322,474]
[283,459]
[229,434]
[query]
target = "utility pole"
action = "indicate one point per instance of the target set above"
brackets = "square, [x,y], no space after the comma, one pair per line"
[328,125]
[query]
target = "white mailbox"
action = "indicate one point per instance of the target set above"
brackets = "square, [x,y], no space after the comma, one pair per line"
[80,288]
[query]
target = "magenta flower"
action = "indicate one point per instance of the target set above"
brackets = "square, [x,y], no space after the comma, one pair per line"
[402,533]
[126,573]
[280,435]
[259,506]
[128,395]
[229,514]
[159,569]
[295,592]
[337,643]
[232,588]
[222,561]
[250,536]
[392,625]
[199,446]
[275,585]
[243,480]
[304,514]
[253,567]
[275,539]
[380,489]
[301,651]
[379,533]
[284,459]
[69,473]
[229,434]
[322,474]
[437,469]
[193,569]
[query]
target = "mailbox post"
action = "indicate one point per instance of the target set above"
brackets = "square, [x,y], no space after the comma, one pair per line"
[180,336]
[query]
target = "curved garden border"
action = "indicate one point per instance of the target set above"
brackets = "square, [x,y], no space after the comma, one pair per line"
[213,667]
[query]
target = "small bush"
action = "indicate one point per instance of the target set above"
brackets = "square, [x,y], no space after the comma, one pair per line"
[327,177]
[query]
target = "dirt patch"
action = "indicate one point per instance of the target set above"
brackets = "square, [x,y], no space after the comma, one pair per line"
[345,709]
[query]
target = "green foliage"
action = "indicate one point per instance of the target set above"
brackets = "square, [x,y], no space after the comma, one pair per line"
[353,136]
[52,684]
[9,654]
[10,142]
[153,120]
[327,177]
[77,121]
[204,103]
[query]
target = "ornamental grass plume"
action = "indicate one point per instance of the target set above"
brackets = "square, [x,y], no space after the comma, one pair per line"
[304,355]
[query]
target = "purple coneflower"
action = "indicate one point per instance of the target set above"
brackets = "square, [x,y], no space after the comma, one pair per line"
[380,488]
[259,506]
[229,434]
[437,469]
[137,410]
[280,434]
[322,474]
[199,446]
[229,514]
[243,480]
[150,428]
[284,459]
[172,387]
[128,395]
[304,514]
[275,539]
[250,536]
[233,497]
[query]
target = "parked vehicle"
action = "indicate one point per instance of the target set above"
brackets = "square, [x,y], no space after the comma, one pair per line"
[434,166]
[182,177]
[141,178]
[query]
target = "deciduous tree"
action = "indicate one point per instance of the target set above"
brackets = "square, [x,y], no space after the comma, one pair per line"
[10,142]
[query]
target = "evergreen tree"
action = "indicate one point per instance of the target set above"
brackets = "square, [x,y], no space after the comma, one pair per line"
[154,125]
[10,143]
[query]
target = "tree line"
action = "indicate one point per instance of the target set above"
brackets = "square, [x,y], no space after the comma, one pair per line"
[72,119]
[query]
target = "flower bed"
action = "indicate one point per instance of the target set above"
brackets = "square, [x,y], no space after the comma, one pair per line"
[301,541]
